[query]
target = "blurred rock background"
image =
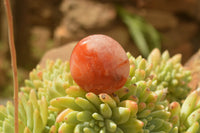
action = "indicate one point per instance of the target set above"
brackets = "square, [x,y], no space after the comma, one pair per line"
[41,25]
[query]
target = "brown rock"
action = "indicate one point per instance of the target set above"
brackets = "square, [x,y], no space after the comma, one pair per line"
[194,66]
[188,6]
[88,14]
[81,17]
[62,35]
[40,41]
[63,53]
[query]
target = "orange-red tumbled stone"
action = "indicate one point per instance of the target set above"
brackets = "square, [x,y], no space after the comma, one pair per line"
[99,64]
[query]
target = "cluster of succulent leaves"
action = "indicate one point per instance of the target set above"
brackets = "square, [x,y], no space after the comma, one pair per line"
[52,102]
[170,74]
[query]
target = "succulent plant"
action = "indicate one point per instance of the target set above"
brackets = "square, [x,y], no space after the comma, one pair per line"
[139,106]
[50,82]
[94,113]
[33,114]
[186,118]
[104,113]
[169,73]
[142,88]
[34,98]
[52,102]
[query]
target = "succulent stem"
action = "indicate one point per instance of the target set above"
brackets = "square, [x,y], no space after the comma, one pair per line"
[13,58]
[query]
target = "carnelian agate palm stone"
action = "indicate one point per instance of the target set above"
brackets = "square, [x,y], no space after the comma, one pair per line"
[99,64]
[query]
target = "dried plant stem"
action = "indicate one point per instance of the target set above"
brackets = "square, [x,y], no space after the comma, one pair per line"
[13,59]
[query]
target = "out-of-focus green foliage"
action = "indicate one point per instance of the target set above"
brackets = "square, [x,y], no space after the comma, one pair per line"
[144,34]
